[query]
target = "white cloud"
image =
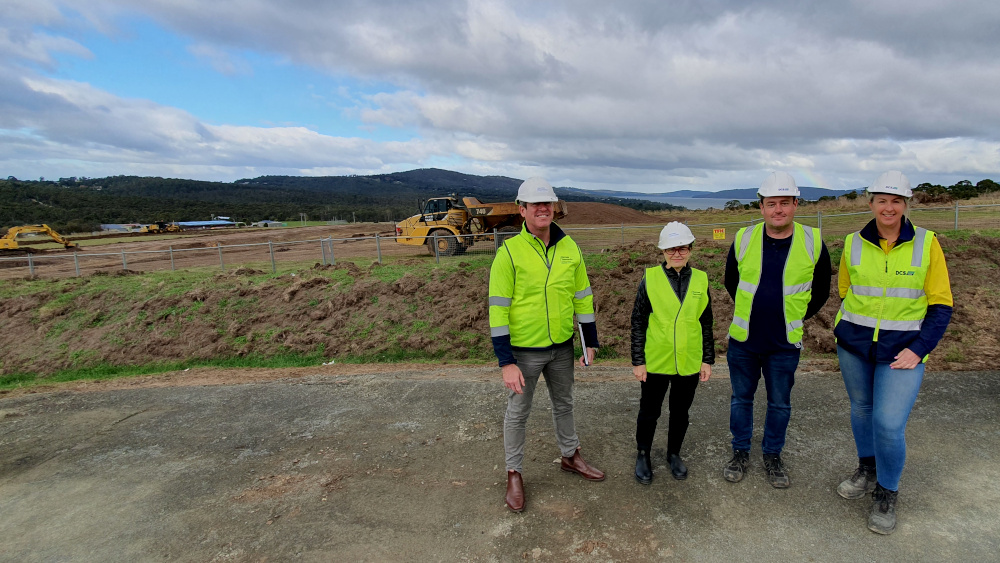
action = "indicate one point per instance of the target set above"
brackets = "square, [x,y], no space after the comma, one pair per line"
[630,94]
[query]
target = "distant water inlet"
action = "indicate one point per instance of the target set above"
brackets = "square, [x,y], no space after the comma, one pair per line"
[689,202]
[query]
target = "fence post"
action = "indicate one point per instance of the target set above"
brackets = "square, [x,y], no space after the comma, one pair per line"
[172,267]
[496,241]
[76,263]
[333,261]
[31,266]
[956,215]
[378,248]
[322,247]
[221,263]
[124,261]
[623,234]
[270,246]
[819,221]
[437,255]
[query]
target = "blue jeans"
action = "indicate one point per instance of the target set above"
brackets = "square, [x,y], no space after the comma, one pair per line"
[881,401]
[745,370]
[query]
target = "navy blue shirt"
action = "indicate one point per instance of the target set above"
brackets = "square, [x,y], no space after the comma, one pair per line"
[767,320]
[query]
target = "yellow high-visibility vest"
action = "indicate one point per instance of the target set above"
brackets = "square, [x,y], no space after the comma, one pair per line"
[797,278]
[673,337]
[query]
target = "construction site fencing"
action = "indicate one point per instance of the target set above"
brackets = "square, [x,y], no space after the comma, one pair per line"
[274,256]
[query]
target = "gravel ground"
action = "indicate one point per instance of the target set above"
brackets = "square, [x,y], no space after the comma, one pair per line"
[406,463]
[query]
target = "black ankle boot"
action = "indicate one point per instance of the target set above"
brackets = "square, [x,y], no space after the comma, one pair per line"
[677,467]
[643,470]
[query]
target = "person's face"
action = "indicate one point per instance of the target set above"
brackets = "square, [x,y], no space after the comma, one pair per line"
[888,210]
[779,211]
[677,257]
[538,216]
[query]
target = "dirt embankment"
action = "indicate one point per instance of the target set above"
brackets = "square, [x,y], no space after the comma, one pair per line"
[347,311]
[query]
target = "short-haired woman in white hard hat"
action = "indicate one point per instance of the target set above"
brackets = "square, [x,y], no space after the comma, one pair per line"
[897,305]
[672,346]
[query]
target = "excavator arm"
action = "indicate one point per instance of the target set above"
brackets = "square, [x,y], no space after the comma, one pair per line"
[9,240]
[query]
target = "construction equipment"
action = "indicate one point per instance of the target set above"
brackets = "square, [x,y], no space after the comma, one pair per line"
[161,227]
[9,240]
[456,224]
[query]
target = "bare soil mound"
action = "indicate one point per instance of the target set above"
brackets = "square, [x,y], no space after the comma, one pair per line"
[382,313]
[588,213]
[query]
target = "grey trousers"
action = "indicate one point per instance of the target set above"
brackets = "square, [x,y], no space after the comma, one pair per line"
[557,366]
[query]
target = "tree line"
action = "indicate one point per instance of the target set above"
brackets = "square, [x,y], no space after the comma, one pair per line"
[80,204]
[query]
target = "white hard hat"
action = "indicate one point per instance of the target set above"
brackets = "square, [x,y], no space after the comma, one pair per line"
[891,182]
[536,190]
[675,234]
[778,184]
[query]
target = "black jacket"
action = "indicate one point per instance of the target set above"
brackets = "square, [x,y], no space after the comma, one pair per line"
[643,309]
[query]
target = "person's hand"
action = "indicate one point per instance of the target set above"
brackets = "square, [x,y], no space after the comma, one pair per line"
[590,356]
[639,372]
[512,378]
[706,372]
[905,360]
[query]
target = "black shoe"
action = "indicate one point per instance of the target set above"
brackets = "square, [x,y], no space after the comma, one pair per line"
[677,467]
[776,474]
[643,470]
[882,520]
[737,466]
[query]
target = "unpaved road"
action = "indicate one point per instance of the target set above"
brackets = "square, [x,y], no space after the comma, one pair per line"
[374,463]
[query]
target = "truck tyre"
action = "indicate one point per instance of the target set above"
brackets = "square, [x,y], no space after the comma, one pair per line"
[447,243]
[505,233]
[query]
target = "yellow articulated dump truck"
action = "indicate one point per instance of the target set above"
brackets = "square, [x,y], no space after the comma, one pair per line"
[456,224]
[161,227]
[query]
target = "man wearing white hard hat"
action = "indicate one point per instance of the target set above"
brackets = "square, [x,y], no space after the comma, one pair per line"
[538,282]
[672,346]
[897,304]
[778,274]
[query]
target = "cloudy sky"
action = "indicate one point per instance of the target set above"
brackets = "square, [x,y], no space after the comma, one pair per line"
[644,95]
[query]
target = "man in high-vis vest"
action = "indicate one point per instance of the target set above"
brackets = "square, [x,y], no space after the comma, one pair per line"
[537,283]
[778,274]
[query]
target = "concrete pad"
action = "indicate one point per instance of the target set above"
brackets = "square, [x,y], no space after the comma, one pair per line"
[408,465]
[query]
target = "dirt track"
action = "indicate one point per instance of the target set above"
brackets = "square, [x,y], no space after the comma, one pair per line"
[405,463]
[199,249]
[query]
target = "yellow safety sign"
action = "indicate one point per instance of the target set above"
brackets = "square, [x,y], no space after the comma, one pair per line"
[719,234]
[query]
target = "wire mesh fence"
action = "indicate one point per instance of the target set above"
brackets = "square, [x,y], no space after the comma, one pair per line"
[277,256]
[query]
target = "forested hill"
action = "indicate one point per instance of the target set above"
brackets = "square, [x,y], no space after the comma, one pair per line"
[78,204]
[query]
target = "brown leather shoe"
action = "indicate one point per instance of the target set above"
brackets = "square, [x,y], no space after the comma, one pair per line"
[515,491]
[575,464]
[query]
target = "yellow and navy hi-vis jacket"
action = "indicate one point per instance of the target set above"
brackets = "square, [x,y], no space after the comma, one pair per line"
[797,278]
[673,336]
[535,291]
[886,306]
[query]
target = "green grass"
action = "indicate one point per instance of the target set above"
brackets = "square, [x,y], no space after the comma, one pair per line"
[104,371]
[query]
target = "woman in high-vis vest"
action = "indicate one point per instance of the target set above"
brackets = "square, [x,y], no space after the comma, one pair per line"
[897,304]
[672,346]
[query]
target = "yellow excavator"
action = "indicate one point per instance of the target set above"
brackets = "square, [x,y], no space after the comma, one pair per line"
[9,240]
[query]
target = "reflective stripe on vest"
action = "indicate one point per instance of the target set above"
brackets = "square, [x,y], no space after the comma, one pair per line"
[887,291]
[797,278]
[673,337]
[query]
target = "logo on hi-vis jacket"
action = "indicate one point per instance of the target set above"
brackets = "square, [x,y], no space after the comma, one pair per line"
[905,273]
